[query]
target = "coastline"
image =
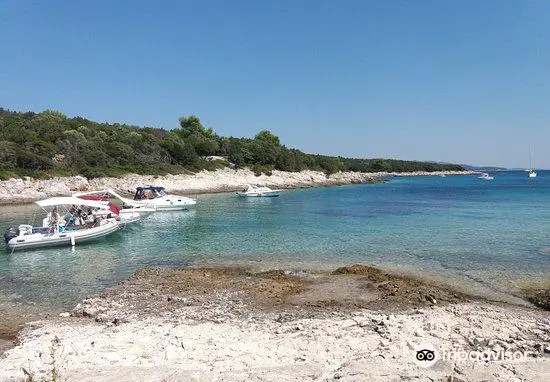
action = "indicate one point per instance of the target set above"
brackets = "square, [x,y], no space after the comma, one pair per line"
[232,324]
[21,191]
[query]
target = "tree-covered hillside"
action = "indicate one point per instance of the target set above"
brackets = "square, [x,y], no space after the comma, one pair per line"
[50,144]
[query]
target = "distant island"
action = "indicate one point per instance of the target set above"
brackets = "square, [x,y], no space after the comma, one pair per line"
[49,144]
[483,168]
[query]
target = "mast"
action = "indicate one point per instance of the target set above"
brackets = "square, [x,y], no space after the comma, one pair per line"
[531,155]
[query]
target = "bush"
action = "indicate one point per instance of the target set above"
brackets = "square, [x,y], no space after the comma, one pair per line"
[29,141]
[265,169]
[33,161]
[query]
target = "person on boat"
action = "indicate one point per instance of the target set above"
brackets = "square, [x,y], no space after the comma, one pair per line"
[80,216]
[90,212]
[70,220]
[57,223]
[97,221]
[54,217]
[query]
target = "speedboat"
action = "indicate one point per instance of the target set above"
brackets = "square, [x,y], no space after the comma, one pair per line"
[127,214]
[485,176]
[144,201]
[157,198]
[257,191]
[70,221]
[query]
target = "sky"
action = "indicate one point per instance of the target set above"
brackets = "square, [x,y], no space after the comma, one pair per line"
[463,81]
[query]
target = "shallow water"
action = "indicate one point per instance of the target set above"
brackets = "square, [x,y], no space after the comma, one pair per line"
[488,237]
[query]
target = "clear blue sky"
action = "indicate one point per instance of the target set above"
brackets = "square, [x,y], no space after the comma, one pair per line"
[460,81]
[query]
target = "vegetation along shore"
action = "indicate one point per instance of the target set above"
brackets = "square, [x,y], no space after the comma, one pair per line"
[46,154]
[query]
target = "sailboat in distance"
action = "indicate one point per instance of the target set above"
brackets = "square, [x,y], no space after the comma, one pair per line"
[532,172]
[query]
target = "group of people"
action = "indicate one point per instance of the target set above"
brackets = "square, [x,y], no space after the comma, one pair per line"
[76,216]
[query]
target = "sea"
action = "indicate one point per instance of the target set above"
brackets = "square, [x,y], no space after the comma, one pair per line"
[490,238]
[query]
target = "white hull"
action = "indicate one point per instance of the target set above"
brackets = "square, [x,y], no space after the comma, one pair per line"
[258,195]
[485,176]
[40,240]
[142,212]
[132,215]
[128,219]
[258,192]
[165,203]
[161,206]
[148,206]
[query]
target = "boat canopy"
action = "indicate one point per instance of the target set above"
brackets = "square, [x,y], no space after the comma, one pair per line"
[69,200]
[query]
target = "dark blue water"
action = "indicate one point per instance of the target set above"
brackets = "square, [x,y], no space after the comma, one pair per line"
[489,237]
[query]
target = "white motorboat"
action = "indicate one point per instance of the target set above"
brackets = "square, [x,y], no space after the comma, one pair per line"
[147,200]
[125,216]
[70,221]
[257,191]
[485,176]
[157,198]
[532,173]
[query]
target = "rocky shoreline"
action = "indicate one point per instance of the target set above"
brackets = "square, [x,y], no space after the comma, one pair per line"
[230,324]
[18,191]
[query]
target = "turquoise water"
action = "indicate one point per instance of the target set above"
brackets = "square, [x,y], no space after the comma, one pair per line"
[490,237]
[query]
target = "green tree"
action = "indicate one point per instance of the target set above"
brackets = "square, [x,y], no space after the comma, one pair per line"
[181,152]
[267,136]
[8,157]
[53,113]
[49,143]
[192,125]
[28,160]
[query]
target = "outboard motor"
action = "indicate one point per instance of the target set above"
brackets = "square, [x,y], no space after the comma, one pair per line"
[10,234]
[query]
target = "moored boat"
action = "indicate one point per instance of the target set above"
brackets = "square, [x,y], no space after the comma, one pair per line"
[126,210]
[257,191]
[486,176]
[71,221]
[157,198]
[125,215]
[149,197]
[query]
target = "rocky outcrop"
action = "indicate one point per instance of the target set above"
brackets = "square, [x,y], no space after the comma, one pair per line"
[227,180]
[216,324]
[14,191]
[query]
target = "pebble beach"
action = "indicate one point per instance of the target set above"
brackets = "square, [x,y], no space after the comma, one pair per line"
[352,324]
